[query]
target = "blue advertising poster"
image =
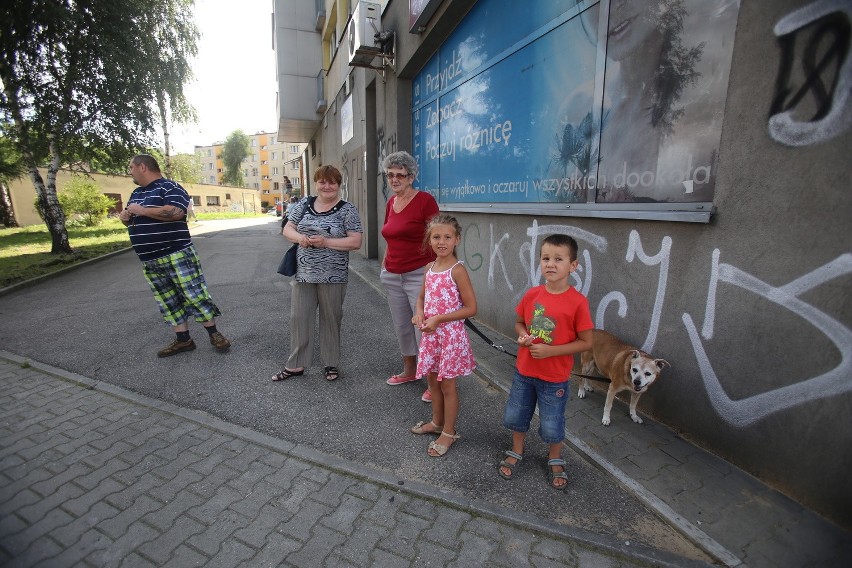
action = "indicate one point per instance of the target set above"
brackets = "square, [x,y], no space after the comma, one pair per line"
[507,110]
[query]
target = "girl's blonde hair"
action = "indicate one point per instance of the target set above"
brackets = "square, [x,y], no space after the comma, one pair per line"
[440,219]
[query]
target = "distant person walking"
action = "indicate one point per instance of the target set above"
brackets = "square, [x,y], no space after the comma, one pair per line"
[155,217]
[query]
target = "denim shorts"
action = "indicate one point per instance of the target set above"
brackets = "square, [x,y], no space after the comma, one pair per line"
[551,399]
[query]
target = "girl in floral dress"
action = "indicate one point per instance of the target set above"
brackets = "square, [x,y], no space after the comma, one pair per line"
[446,300]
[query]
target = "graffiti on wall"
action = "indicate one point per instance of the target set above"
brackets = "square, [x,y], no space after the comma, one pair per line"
[385,145]
[738,413]
[819,106]
[747,411]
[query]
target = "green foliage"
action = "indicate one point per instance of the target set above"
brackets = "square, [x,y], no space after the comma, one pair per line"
[83,82]
[186,168]
[11,165]
[234,151]
[82,196]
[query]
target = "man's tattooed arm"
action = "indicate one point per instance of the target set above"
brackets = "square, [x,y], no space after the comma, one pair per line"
[170,213]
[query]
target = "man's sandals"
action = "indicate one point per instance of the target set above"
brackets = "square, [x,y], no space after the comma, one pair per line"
[441,449]
[286,373]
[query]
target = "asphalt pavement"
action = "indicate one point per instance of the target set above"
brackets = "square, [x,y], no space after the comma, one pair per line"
[111,456]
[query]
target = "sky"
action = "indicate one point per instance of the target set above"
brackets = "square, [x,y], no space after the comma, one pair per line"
[235,84]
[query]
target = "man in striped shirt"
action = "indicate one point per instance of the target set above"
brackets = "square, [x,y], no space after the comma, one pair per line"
[155,217]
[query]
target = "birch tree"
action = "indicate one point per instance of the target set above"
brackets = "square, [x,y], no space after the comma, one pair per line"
[83,80]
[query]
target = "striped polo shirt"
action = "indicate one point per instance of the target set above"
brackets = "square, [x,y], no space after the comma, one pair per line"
[154,238]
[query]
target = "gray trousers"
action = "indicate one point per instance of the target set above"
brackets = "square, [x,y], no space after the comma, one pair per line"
[402,291]
[305,300]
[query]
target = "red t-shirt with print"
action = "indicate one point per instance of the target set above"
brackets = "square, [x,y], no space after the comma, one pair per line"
[554,319]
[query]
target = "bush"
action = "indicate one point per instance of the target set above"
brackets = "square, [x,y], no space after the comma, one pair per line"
[82,196]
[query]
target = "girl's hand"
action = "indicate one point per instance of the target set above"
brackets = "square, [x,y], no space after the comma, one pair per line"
[430,325]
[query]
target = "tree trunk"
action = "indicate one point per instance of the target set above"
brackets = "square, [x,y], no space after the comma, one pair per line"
[7,211]
[164,119]
[48,204]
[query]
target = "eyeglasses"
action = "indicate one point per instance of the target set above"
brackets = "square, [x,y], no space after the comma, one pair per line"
[391,175]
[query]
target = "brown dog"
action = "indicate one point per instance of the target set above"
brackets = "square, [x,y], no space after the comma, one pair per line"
[626,367]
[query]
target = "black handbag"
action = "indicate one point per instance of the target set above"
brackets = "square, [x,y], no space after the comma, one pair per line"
[288,263]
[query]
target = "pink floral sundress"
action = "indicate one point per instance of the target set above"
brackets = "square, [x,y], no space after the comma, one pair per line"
[446,351]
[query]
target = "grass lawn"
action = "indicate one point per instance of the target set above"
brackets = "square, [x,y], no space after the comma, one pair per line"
[25,252]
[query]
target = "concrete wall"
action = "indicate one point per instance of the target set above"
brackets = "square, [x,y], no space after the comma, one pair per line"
[241,199]
[753,310]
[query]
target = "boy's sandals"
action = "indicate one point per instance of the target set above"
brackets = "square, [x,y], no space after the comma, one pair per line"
[554,475]
[418,428]
[509,466]
[441,449]
[331,373]
[286,373]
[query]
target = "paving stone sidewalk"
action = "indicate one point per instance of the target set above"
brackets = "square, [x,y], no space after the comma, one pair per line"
[93,475]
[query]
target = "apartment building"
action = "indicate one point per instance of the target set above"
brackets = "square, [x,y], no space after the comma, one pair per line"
[274,168]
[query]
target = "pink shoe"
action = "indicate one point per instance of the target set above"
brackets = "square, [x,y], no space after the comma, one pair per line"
[427,396]
[397,380]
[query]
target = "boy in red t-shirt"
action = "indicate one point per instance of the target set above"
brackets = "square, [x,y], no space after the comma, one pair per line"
[553,324]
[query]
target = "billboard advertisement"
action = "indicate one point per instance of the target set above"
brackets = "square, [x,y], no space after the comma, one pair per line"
[576,102]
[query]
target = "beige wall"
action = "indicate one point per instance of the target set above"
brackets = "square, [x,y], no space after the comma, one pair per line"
[229,198]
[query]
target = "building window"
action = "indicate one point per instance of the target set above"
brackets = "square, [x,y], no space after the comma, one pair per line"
[196,199]
[210,166]
[274,171]
[209,152]
[254,157]
[294,149]
[256,186]
[212,200]
[275,186]
[254,142]
[266,191]
[274,155]
[227,196]
[212,180]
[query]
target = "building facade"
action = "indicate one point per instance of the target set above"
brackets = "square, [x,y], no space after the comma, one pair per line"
[206,198]
[692,147]
[274,168]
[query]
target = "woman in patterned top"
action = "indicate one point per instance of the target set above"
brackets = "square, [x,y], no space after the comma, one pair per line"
[326,228]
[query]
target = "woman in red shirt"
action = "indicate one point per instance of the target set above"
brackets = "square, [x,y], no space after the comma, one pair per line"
[406,215]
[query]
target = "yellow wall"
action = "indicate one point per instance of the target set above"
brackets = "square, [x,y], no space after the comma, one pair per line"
[241,199]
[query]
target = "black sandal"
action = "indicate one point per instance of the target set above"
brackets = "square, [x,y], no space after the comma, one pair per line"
[286,373]
[331,373]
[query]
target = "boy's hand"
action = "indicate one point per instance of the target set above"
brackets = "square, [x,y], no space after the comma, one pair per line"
[525,340]
[539,350]
[417,320]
